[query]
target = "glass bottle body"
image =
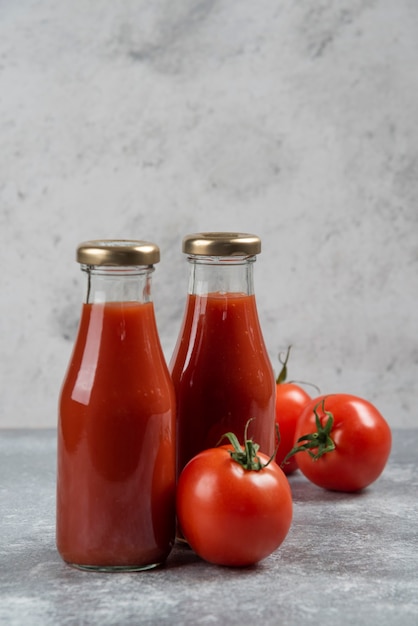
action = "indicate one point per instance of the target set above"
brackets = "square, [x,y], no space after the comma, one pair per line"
[116,431]
[220,367]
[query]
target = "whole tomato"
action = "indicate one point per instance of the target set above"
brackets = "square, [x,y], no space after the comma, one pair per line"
[234,506]
[290,401]
[343,442]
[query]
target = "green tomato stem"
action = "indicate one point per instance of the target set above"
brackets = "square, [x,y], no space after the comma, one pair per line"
[320,440]
[247,455]
[283,372]
[282,377]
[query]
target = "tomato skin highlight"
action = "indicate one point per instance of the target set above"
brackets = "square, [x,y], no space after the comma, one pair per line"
[362,439]
[229,515]
[290,402]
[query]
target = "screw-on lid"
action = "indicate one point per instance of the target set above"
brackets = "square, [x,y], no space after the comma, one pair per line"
[221,244]
[118,252]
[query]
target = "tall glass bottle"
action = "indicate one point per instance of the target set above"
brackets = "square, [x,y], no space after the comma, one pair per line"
[116,424]
[220,366]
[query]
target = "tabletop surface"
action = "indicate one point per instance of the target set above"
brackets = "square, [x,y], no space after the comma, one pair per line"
[348,558]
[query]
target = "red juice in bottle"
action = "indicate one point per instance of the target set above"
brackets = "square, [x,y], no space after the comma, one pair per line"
[220,367]
[116,426]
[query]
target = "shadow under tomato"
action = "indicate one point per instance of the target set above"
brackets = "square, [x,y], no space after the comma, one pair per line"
[183,556]
[304,490]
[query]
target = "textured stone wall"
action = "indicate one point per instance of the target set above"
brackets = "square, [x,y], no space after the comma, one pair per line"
[293,120]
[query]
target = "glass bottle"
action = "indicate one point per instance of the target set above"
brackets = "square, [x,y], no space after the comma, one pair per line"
[220,366]
[116,424]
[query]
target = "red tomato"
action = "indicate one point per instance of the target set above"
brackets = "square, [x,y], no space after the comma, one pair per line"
[231,515]
[344,441]
[290,401]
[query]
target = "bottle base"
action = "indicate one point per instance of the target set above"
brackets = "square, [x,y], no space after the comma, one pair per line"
[113,568]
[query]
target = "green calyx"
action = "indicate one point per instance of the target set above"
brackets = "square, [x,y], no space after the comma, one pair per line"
[318,443]
[283,372]
[282,377]
[246,455]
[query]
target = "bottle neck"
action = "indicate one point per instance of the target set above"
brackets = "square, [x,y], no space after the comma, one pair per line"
[232,274]
[118,283]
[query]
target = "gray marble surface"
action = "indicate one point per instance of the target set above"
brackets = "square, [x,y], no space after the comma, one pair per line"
[348,559]
[294,120]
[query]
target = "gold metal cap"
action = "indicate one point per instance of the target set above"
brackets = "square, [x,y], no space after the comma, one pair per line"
[221,244]
[117,252]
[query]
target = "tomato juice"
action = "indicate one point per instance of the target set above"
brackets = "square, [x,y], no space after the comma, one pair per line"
[222,375]
[116,457]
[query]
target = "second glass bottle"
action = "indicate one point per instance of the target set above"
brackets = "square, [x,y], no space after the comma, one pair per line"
[220,366]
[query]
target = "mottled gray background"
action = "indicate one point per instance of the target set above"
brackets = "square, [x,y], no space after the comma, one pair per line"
[294,120]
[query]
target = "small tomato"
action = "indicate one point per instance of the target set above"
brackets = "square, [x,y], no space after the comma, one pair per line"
[291,399]
[234,506]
